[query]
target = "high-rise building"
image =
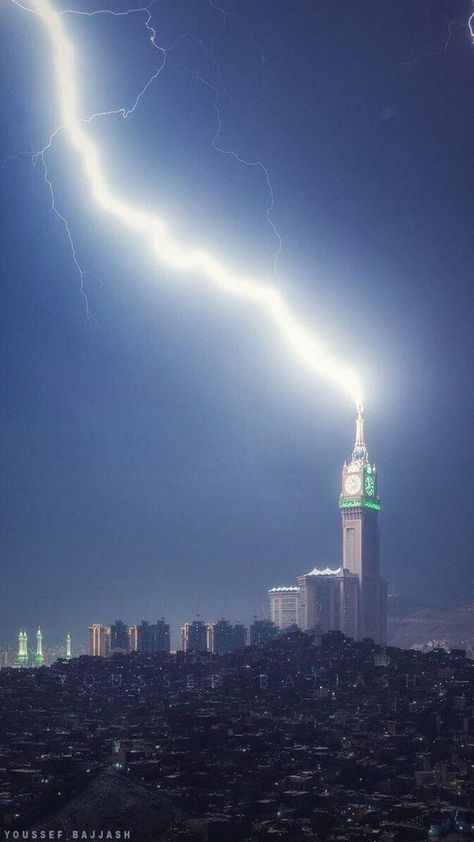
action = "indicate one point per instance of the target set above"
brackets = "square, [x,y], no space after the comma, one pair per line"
[68,647]
[328,599]
[99,640]
[360,504]
[353,597]
[194,637]
[119,643]
[261,631]
[223,637]
[150,637]
[284,606]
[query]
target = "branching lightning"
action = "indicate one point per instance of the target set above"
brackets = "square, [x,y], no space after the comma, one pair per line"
[470,24]
[153,229]
[442,51]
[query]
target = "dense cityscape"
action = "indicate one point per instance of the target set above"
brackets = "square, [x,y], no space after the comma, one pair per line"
[305,737]
[304,727]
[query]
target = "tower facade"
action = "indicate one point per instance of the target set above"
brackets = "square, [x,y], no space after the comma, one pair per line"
[262,631]
[194,637]
[359,503]
[284,605]
[99,640]
[119,638]
[329,599]
[223,637]
[39,657]
[23,648]
[150,637]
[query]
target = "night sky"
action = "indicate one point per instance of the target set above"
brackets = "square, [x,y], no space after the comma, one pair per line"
[169,456]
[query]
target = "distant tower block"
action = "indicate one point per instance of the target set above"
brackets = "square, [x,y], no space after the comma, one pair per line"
[284,606]
[68,647]
[23,648]
[39,657]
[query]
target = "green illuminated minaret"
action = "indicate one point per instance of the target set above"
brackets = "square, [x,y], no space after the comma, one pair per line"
[39,657]
[68,647]
[23,648]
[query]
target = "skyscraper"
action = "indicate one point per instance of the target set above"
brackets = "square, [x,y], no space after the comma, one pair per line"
[284,605]
[328,599]
[150,637]
[194,637]
[360,504]
[223,637]
[99,640]
[351,598]
[262,631]
[119,638]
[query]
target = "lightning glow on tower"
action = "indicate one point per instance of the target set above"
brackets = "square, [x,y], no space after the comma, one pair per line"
[153,230]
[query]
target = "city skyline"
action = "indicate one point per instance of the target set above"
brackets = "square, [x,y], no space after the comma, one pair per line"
[327,598]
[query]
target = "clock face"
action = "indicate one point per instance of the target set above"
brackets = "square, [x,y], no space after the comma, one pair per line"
[353,484]
[370,486]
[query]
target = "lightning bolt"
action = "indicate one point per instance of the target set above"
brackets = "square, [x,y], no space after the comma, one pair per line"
[152,229]
[444,48]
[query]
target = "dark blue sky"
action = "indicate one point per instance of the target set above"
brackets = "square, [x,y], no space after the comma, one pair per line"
[174,458]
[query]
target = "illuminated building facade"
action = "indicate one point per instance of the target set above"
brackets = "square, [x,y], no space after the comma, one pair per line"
[39,657]
[353,597]
[329,599]
[68,647]
[284,605]
[99,640]
[359,503]
[22,648]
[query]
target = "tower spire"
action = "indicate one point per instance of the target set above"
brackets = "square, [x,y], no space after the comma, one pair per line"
[39,657]
[360,448]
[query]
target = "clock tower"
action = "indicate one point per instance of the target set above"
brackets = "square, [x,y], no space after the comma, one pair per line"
[359,504]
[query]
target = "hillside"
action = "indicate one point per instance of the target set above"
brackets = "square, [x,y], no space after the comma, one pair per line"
[116,803]
[432,627]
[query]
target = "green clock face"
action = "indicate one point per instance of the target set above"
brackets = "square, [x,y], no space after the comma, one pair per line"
[369,485]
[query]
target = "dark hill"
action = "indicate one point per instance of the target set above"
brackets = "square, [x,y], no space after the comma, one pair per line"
[115,803]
